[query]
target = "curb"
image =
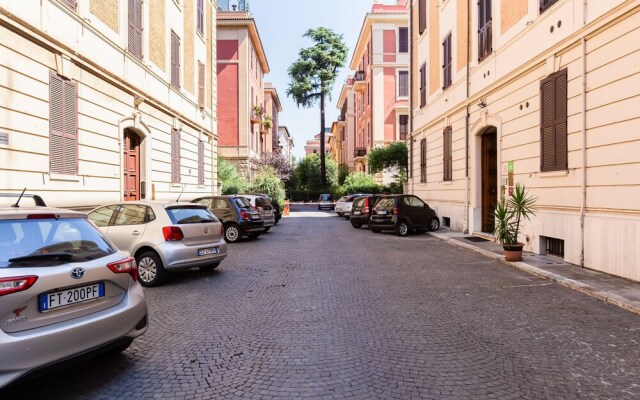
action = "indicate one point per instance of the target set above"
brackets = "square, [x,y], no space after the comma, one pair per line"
[578,286]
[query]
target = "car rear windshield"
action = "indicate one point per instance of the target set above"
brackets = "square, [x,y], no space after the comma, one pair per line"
[359,202]
[262,202]
[387,202]
[242,202]
[326,197]
[190,215]
[48,242]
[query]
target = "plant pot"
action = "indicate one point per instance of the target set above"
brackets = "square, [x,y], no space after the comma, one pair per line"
[513,252]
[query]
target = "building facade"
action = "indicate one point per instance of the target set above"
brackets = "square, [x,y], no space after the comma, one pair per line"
[536,92]
[242,65]
[312,146]
[347,124]
[381,81]
[272,108]
[285,143]
[105,100]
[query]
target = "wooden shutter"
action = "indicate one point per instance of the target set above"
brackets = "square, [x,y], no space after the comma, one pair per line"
[201,84]
[423,160]
[404,126]
[422,16]
[403,83]
[403,40]
[175,60]
[63,117]
[201,16]
[485,39]
[200,163]
[544,4]
[447,159]
[553,122]
[446,66]
[423,85]
[175,156]
[135,28]
[72,4]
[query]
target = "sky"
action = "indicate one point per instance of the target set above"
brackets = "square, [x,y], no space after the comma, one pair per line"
[281,24]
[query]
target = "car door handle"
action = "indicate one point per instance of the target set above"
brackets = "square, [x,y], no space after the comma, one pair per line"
[135,233]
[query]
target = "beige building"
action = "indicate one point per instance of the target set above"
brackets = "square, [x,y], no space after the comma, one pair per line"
[104,100]
[285,143]
[539,92]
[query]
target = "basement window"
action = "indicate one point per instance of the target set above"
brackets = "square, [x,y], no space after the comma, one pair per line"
[446,222]
[554,247]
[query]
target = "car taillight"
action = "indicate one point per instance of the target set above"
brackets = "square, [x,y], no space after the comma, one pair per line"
[245,216]
[396,211]
[16,284]
[126,266]
[366,205]
[172,233]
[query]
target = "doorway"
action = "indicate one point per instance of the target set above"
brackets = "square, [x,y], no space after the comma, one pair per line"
[131,167]
[489,179]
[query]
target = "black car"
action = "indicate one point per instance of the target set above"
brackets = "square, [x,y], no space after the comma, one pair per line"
[361,210]
[236,214]
[403,213]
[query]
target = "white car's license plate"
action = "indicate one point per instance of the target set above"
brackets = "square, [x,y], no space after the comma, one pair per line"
[254,216]
[356,213]
[49,301]
[208,251]
[383,212]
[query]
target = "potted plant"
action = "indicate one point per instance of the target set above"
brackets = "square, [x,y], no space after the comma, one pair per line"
[508,214]
[256,113]
[267,123]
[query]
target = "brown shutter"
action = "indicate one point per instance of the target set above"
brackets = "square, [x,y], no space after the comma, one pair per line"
[423,85]
[553,122]
[403,40]
[175,156]
[63,116]
[175,60]
[201,163]
[422,16]
[447,159]
[201,16]
[485,29]
[135,28]
[446,66]
[201,84]
[69,3]
[423,160]
[561,99]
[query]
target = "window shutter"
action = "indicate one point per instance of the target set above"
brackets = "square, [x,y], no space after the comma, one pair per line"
[403,40]
[404,126]
[201,84]
[70,3]
[201,16]
[423,85]
[63,116]
[422,16]
[175,60]
[553,122]
[423,160]
[485,29]
[403,83]
[544,4]
[201,163]
[446,66]
[447,156]
[175,156]
[135,28]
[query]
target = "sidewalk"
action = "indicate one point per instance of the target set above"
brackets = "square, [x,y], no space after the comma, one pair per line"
[608,288]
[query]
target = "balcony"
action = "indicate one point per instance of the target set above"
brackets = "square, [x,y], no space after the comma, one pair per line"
[233,5]
[360,152]
[359,81]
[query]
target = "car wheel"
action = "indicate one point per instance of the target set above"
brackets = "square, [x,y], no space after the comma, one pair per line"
[434,225]
[232,233]
[267,229]
[357,226]
[339,214]
[347,217]
[210,267]
[254,235]
[403,228]
[151,272]
[375,230]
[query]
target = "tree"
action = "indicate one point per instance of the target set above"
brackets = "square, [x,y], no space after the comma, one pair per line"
[278,162]
[232,181]
[359,182]
[308,174]
[268,181]
[395,155]
[313,75]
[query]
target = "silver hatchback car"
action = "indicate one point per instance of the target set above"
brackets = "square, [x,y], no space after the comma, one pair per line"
[163,236]
[65,292]
[264,206]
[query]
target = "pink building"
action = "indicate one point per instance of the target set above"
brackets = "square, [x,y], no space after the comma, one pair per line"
[380,85]
[312,146]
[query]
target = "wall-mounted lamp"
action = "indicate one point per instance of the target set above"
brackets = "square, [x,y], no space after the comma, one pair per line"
[482,103]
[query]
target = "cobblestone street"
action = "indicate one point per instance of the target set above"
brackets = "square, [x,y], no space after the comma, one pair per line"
[318,309]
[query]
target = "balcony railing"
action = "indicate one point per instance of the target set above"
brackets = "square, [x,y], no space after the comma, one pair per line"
[233,5]
[360,152]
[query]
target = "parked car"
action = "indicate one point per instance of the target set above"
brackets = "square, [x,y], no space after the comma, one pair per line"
[404,214]
[66,292]
[264,207]
[277,212]
[237,215]
[163,237]
[361,210]
[344,205]
[326,201]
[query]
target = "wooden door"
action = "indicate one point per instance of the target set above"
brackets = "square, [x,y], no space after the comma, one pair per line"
[131,166]
[489,179]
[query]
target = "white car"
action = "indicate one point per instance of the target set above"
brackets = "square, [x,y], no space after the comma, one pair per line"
[264,206]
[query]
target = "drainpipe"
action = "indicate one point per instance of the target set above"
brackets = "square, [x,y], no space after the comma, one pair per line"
[466,124]
[584,137]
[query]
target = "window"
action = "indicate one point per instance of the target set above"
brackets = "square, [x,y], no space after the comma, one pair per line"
[403,83]
[403,40]
[423,161]
[423,85]
[69,3]
[201,17]
[175,156]
[422,16]
[553,122]
[413,201]
[200,162]
[135,28]
[447,159]
[63,130]
[544,4]
[201,84]
[485,46]
[222,204]
[131,214]
[102,216]
[175,60]
[404,126]
[446,62]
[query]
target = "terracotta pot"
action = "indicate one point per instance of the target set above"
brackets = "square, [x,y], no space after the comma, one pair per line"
[513,252]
